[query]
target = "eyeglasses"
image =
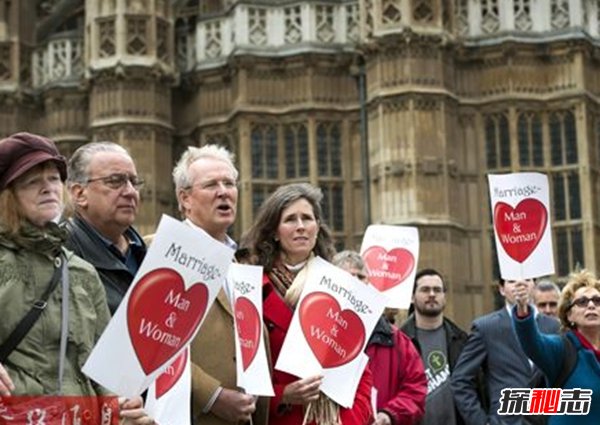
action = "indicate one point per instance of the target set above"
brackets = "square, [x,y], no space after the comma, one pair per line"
[214,185]
[427,289]
[118,180]
[584,301]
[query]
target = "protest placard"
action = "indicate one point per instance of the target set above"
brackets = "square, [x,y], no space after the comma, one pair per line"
[175,286]
[391,254]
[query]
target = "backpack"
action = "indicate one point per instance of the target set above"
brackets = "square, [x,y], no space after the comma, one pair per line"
[539,379]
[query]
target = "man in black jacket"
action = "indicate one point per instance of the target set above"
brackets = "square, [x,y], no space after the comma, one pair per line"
[104,187]
[439,341]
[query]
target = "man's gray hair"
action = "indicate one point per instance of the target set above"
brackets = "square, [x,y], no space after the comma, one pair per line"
[77,167]
[546,285]
[348,258]
[181,175]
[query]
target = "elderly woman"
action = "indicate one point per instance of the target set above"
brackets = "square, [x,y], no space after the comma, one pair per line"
[579,313]
[52,302]
[287,233]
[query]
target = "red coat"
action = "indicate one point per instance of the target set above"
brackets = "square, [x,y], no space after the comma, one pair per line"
[277,317]
[398,374]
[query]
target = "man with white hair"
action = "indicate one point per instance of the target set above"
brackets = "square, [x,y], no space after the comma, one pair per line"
[206,187]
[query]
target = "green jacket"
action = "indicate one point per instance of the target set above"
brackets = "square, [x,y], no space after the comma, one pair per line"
[26,266]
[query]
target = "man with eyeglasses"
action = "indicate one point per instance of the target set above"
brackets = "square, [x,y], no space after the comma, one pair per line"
[439,341]
[397,369]
[104,188]
[493,347]
[206,186]
[546,296]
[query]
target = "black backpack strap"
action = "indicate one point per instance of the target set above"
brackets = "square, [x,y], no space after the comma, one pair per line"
[33,314]
[569,363]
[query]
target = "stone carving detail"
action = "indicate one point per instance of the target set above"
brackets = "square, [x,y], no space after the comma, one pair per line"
[490,16]
[423,12]
[522,13]
[25,74]
[257,26]
[59,60]
[325,23]
[213,44]
[186,44]
[162,40]
[106,33]
[390,12]
[352,23]
[461,17]
[559,14]
[137,36]
[293,24]
[369,18]
[5,71]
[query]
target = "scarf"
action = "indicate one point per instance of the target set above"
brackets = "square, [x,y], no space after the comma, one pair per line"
[290,283]
[46,240]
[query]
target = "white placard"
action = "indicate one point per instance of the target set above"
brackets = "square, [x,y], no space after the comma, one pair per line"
[252,366]
[330,328]
[168,398]
[163,309]
[391,254]
[521,218]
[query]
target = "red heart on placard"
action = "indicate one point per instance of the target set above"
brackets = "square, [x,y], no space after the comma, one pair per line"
[335,336]
[248,325]
[162,316]
[388,269]
[520,229]
[171,375]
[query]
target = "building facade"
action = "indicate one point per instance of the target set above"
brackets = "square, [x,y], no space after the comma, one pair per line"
[397,109]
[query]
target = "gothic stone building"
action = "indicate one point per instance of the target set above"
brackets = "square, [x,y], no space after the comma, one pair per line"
[397,109]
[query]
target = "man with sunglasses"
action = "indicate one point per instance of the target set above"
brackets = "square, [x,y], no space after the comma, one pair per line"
[546,296]
[104,188]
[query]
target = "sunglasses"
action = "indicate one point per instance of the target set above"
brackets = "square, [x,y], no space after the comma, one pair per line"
[547,304]
[584,301]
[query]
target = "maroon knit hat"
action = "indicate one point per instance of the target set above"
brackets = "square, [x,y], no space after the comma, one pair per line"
[21,152]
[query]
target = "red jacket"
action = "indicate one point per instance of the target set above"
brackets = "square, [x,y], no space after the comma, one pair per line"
[277,317]
[398,374]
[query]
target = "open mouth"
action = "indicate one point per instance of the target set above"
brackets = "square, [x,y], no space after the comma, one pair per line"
[224,208]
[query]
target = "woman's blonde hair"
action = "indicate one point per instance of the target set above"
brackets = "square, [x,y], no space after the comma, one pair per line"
[582,279]
[10,217]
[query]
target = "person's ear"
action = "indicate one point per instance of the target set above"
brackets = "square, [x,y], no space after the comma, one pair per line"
[78,194]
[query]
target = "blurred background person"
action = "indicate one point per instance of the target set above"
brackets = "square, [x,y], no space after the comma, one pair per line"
[546,295]
[287,233]
[46,357]
[439,342]
[579,313]
[398,374]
